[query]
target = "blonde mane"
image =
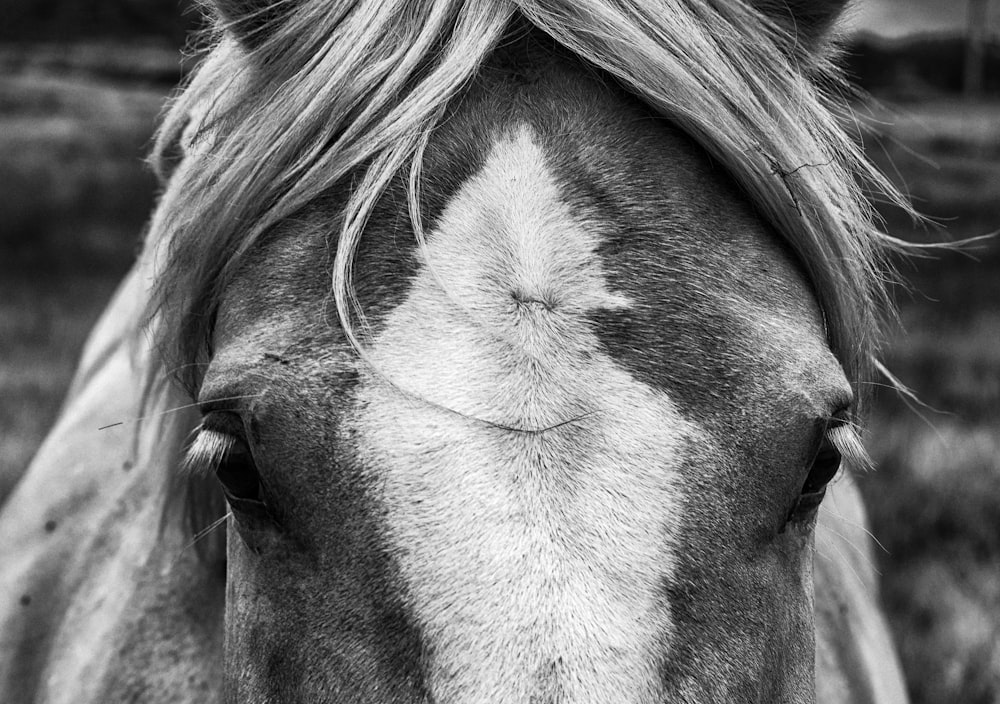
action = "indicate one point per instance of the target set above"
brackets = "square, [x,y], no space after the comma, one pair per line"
[330,92]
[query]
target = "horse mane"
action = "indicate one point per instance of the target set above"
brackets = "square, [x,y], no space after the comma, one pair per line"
[329,93]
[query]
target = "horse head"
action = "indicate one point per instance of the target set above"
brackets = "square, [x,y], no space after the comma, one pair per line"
[527,341]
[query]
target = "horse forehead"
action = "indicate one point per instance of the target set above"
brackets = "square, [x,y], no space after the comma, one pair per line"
[680,280]
[524,287]
[712,287]
[516,459]
[672,271]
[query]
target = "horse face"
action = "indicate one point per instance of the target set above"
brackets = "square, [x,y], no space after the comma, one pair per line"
[580,456]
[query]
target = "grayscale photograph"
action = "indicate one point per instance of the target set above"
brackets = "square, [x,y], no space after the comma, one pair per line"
[500,351]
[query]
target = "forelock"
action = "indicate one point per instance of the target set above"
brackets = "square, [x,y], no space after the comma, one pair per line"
[350,92]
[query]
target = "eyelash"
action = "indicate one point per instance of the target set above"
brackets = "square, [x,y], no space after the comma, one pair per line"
[845,436]
[207,452]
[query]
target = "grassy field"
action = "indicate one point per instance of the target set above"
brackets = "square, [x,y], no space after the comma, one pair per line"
[934,500]
[76,196]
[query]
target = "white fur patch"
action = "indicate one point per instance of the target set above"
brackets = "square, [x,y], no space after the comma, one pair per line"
[535,561]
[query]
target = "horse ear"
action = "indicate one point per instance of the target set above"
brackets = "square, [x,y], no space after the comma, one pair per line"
[809,21]
[249,20]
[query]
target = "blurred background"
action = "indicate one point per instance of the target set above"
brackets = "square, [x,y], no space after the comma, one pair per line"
[83,81]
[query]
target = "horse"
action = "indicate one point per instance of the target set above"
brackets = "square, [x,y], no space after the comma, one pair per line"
[478,351]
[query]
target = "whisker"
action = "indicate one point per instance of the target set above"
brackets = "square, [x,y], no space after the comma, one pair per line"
[840,517]
[139,419]
[202,534]
[860,551]
[847,562]
[910,399]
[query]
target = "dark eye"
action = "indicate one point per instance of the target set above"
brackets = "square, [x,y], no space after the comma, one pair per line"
[824,468]
[221,448]
[825,465]
[243,487]
[238,475]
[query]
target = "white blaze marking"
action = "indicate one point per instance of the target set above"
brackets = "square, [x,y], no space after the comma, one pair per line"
[535,562]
